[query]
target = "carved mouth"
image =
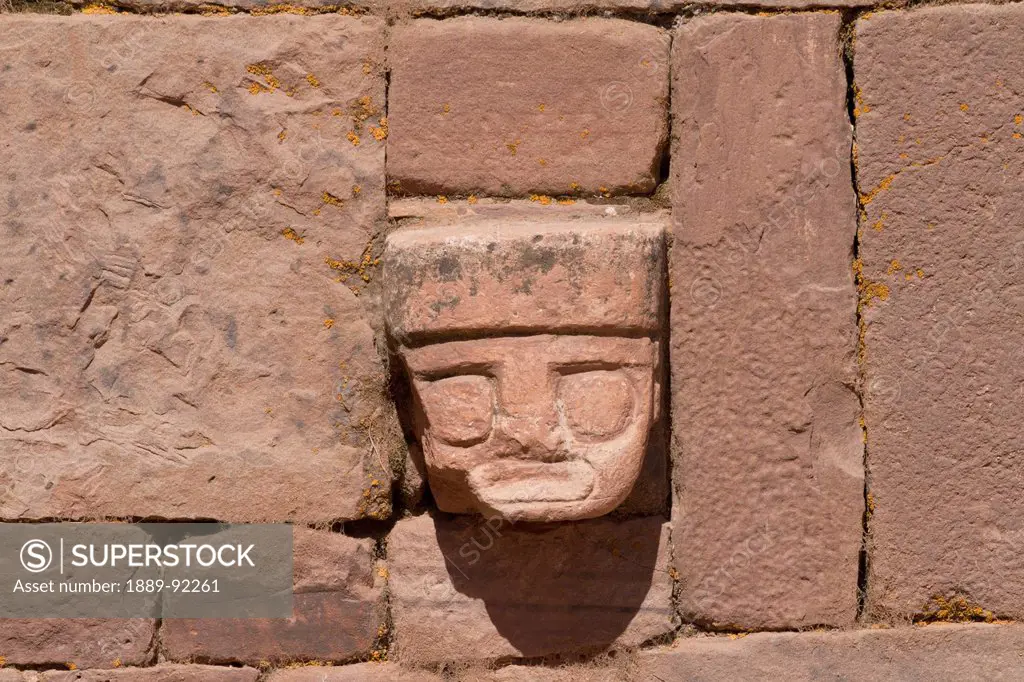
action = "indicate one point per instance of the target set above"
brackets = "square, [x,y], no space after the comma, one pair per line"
[517,482]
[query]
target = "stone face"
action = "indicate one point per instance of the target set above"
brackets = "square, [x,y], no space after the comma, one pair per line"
[160,673]
[517,105]
[940,138]
[464,588]
[181,200]
[768,451]
[544,427]
[88,643]
[915,654]
[359,672]
[337,612]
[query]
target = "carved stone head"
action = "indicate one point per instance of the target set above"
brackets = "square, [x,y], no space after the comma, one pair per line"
[533,352]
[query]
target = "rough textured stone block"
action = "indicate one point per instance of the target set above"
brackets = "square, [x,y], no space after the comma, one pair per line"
[359,672]
[337,612]
[940,138]
[180,203]
[88,643]
[767,446]
[464,589]
[513,106]
[914,654]
[160,673]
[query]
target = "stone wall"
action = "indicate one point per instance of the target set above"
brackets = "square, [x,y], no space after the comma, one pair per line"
[201,210]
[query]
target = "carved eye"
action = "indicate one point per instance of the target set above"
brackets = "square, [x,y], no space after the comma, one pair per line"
[598,404]
[459,409]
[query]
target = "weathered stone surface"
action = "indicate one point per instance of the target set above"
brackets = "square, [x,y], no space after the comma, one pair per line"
[517,105]
[337,612]
[553,426]
[88,643]
[160,673]
[913,654]
[173,343]
[465,588]
[359,672]
[940,136]
[767,446]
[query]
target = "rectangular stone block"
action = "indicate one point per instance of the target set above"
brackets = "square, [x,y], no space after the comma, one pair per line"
[767,447]
[338,612]
[358,672]
[85,642]
[936,652]
[940,139]
[518,105]
[165,672]
[189,214]
[469,588]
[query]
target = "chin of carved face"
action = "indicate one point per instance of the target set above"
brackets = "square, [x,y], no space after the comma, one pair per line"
[535,428]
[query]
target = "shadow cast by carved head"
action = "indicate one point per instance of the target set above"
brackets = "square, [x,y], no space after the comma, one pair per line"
[533,354]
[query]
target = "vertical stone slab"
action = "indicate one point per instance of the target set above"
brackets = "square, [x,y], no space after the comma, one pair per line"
[940,136]
[767,447]
[188,212]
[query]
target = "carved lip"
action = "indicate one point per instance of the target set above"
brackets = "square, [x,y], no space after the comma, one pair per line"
[516,481]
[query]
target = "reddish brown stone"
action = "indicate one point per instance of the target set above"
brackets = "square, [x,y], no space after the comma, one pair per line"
[180,201]
[359,672]
[512,106]
[768,449]
[465,588]
[86,642]
[160,673]
[938,652]
[940,138]
[337,612]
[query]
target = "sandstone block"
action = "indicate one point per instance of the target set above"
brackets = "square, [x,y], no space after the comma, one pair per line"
[337,612]
[88,643]
[358,672]
[518,105]
[940,138]
[767,447]
[914,654]
[181,204]
[546,415]
[164,672]
[464,588]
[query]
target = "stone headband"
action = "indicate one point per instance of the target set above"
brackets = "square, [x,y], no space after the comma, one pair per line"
[494,277]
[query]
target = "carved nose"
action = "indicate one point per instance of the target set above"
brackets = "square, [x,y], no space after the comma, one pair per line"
[532,436]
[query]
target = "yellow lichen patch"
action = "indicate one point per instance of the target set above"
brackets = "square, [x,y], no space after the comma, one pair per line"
[906,117]
[585,134]
[673,573]
[446,108]
[894,267]
[353,138]
[541,106]
[574,187]
[328,323]
[886,183]
[513,146]
[442,199]
[920,273]
[868,290]
[116,663]
[289,233]
[256,88]
[215,10]
[1016,136]
[189,108]
[71,666]
[382,571]
[542,199]
[471,199]
[367,68]
[542,162]
[282,135]
[604,192]
[259,69]
[348,268]
[98,8]
[880,223]
[964,106]
[566,201]
[329,198]
[290,9]
[313,80]
[859,106]
[210,86]
[356,189]
[363,108]
[954,609]
[380,133]
[984,139]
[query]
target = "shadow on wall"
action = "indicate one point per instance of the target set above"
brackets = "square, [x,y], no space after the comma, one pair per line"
[554,587]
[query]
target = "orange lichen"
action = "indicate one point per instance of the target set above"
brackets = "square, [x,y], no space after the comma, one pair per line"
[356,189]
[541,106]
[289,233]
[353,138]
[894,267]
[446,109]
[859,107]
[329,198]
[313,80]
[349,268]
[954,609]
[282,135]
[328,323]
[1016,136]
[210,86]
[567,201]
[513,146]
[98,8]
[542,162]
[964,106]
[542,199]
[442,199]
[585,134]
[906,117]
[380,133]
[471,199]
[880,223]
